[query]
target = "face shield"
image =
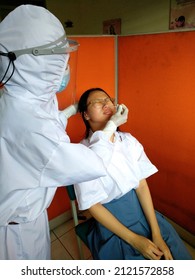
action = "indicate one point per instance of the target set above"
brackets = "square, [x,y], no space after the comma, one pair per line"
[66,94]
[62,46]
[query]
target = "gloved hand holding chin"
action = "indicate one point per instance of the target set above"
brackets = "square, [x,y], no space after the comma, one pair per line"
[121,115]
[119,118]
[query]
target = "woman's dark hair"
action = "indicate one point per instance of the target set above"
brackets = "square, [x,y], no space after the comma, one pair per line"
[82,106]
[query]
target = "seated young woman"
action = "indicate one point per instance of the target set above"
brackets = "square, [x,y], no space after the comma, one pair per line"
[126,226]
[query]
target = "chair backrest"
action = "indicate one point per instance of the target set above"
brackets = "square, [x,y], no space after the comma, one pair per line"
[71,192]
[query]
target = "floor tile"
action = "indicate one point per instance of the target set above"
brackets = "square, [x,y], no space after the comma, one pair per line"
[64,244]
[69,241]
[63,228]
[58,252]
[52,236]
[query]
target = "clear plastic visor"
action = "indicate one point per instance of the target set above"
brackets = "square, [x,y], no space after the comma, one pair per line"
[60,46]
[68,96]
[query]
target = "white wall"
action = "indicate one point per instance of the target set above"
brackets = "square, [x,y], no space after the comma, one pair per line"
[141,16]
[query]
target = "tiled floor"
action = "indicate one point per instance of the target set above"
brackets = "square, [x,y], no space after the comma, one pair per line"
[64,243]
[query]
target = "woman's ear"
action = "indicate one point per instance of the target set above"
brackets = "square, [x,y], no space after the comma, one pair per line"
[86,116]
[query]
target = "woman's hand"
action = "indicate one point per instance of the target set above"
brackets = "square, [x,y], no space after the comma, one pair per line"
[160,243]
[145,200]
[147,248]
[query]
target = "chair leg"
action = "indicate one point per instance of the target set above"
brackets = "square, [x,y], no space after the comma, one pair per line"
[79,242]
[75,218]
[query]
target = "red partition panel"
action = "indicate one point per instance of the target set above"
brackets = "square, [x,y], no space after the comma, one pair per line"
[95,68]
[156,82]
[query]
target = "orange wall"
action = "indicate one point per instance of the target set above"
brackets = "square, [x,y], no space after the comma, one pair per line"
[156,82]
[95,68]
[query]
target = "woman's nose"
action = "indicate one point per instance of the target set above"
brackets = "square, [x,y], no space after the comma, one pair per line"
[106,102]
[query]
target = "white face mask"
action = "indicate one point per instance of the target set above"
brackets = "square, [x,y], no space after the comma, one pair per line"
[65,80]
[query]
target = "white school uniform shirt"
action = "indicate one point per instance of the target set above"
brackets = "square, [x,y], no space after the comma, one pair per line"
[127,164]
[36,155]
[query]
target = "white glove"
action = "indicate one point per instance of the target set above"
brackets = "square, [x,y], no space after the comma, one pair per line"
[119,118]
[71,110]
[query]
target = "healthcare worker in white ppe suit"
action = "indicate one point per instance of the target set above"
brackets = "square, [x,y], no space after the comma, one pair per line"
[36,155]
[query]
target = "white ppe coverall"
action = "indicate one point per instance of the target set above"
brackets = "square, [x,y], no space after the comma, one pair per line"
[36,155]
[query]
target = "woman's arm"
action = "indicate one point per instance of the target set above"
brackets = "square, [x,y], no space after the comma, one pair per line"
[146,247]
[145,200]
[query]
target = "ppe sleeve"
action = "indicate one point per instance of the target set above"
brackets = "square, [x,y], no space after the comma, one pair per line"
[67,113]
[70,110]
[63,119]
[70,164]
[100,144]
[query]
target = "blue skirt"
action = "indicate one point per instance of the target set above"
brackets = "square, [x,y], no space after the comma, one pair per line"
[104,245]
